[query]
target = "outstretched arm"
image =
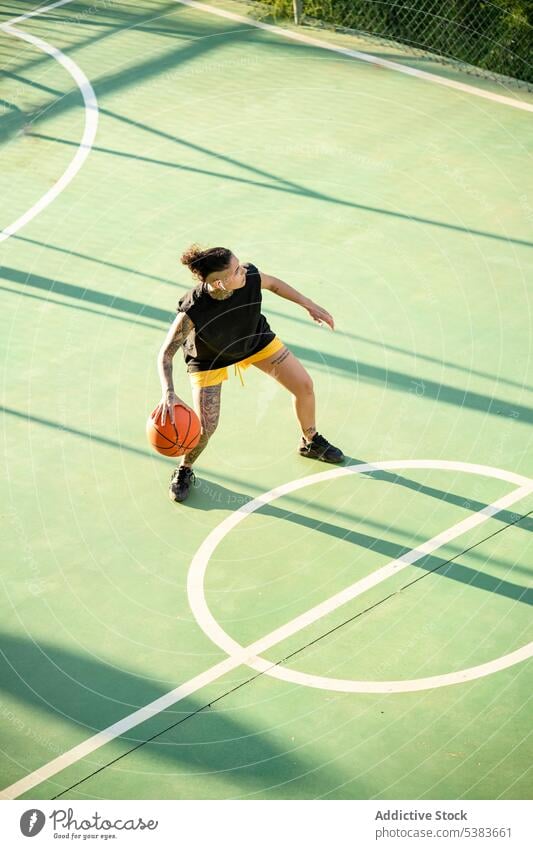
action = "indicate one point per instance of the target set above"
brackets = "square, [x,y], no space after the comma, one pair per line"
[279,287]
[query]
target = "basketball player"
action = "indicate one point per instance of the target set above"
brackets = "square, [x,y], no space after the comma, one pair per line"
[219,324]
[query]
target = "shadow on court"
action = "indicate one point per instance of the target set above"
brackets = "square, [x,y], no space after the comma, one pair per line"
[368,372]
[472,504]
[82,293]
[204,42]
[426,389]
[81,689]
[97,260]
[215,496]
[65,305]
[280,184]
[209,496]
[77,16]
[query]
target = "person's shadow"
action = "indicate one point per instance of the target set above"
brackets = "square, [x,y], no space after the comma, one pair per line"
[209,495]
[508,517]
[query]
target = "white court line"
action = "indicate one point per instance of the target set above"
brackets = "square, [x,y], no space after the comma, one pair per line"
[248,655]
[364,57]
[91,117]
[213,630]
[39,10]
[91,105]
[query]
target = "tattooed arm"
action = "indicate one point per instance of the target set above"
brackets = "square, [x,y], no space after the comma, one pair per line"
[178,332]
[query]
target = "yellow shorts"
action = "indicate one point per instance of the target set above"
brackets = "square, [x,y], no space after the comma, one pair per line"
[214,376]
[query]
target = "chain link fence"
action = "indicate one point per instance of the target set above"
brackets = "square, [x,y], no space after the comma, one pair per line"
[495,40]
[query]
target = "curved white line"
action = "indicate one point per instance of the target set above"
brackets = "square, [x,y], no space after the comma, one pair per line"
[215,632]
[343,685]
[39,10]
[89,132]
[248,655]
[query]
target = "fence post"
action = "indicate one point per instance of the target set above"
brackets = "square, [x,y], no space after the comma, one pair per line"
[297,5]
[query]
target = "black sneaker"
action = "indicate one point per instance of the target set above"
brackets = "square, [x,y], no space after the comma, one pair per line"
[180,483]
[320,449]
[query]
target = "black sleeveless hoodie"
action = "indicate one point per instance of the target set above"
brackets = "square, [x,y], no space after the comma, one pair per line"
[225,330]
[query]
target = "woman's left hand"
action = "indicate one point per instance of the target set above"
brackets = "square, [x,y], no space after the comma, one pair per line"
[319,314]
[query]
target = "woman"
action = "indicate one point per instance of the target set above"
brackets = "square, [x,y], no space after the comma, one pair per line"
[219,324]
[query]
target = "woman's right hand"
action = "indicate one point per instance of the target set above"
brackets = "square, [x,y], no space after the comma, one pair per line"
[166,405]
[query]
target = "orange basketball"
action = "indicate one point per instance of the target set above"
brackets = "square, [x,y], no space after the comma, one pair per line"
[173,440]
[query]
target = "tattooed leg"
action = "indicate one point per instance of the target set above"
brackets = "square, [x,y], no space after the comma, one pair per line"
[206,403]
[275,361]
[288,370]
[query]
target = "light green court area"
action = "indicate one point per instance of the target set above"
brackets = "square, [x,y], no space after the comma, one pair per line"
[403,207]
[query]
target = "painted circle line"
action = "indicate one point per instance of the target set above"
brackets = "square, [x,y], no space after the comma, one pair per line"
[249,655]
[89,131]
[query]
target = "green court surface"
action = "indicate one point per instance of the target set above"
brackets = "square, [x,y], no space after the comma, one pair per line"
[403,205]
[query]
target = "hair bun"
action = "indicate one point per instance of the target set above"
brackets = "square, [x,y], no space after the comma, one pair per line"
[203,262]
[191,256]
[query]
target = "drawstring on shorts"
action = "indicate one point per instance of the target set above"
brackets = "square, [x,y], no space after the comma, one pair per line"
[238,371]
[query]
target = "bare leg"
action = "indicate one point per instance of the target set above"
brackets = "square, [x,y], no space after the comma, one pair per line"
[206,403]
[288,370]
